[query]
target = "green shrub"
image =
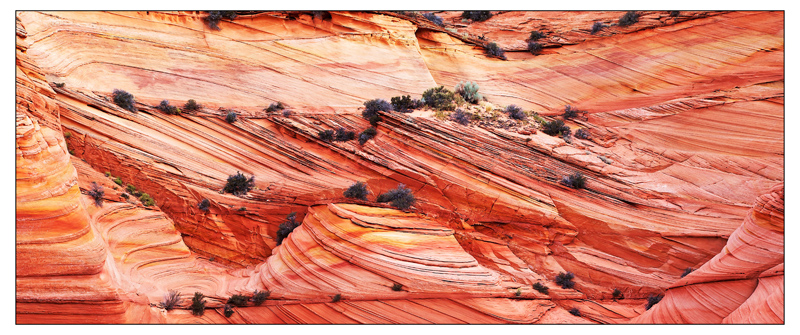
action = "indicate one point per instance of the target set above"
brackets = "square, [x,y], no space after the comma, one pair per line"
[535,48]
[493,49]
[373,106]
[259,297]
[554,128]
[652,300]
[118,181]
[71,152]
[596,27]
[565,280]
[124,99]
[400,197]
[96,192]
[397,287]
[367,135]
[147,200]
[59,85]
[227,310]
[439,98]
[67,135]
[536,35]
[404,104]
[460,117]
[469,91]
[198,304]
[125,195]
[515,112]
[686,272]
[336,298]
[357,191]
[570,112]
[344,135]
[582,134]
[238,300]
[518,292]
[541,288]
[204,205]
[325,135]
[373,120]
[576,180]
[287,227]
[215,16]
[242,209]
[617,294]
[230,117]
[191,105]
[476,15]
[170,301]
[628,19]
[167,108]
[238,184]
[275,106]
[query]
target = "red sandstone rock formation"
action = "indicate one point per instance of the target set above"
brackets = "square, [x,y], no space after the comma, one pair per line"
[686,119]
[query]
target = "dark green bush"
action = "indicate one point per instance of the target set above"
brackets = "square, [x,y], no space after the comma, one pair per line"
[439,98]
[275,106]
[373,120]
[554,128]
[198,304]
[146,200]
[191,105]
[96,192]
[171,300]
[461,117]
[344,135]
[469,91]
[238,184]
[404,104]
[652,300]
[596,27]
[118,181]
[536,35]
[230,117]
[582,134]
[167,108]
[617,294]
[215,16]
[575,311]
[535,48]
[686,272]
[59,85]
[476,15]
[259,297]
[570,112]
[628,19]
[565,280]
[125,195]
[204,205]
[515,112]
[227,310]
[287,227]
[336,298]
[400,197]
[124,100]
[357,191]
[373,106]
[493,49]
[397,287]
[286,113]
[238,300]
[576,180]
[433,18]
[367,135]
[541,288]
[325,135]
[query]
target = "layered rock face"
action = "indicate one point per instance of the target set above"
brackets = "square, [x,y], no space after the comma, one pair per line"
[685,167]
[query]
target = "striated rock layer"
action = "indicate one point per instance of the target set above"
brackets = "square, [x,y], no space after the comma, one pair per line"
[685,165]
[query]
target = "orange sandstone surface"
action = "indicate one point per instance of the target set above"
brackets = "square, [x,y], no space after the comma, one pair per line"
[684,167]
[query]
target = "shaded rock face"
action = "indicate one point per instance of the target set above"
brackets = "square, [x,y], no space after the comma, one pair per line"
[685,169]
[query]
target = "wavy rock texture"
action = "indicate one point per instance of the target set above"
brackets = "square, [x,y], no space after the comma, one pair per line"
[686,118]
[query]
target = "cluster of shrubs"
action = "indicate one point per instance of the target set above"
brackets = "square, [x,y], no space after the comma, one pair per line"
[274,107]
[400,197]
[555,127]
[230,117]
[167,108]
[371,109]
[96,192]
[259,297]
[565,280]
[439,98]
[535,48]
[404,104]
[204,205]
[325,135]
[469,91]
[652,300]
[124,100]
[215,16]
[433,18]
[576,180]
[357,191]
[191,105]
[596,27]
[628,19]
[492,49]
[144,198]
[570,112]
[170,301]
[582,134]
[340,135]
[515,112]
[461,117]
[238,184]
[476,15]
[367,135]
[540,288]
[536,35]
[238,300]
[287,227]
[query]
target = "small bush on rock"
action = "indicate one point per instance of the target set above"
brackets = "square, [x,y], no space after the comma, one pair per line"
[575,311]
[325,135]
[652,300]
[570,112]
[373,106]
[400,197]
[275,106]
[461,117]
[238,184]
[367,135]
[124,100]
[433,18]
[215,16]
[238,300]
[198,304]
[582,134]
[336,298]
[374,120]
[170,301]
[96,192]
[617,294]
[357,191]
[167,108]
[628,19]
[227,310]
[576,180]
[493,49]
[230,117]
[476,15]
[596,27]
[191,105]
[565,280]
[541,288]
[404,104]
[554,128]
[397,287]
[439,98]
[203,205]
[147,200]
[259,297]
[536,35]
[535,48]
[515,112]
[686,272]
[287,227]
[343,135]
[286,113]
[469,91]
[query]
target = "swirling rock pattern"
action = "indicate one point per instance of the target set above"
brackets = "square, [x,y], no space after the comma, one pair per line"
[687,142]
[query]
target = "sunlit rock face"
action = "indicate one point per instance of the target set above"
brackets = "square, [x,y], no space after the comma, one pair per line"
[684,167]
